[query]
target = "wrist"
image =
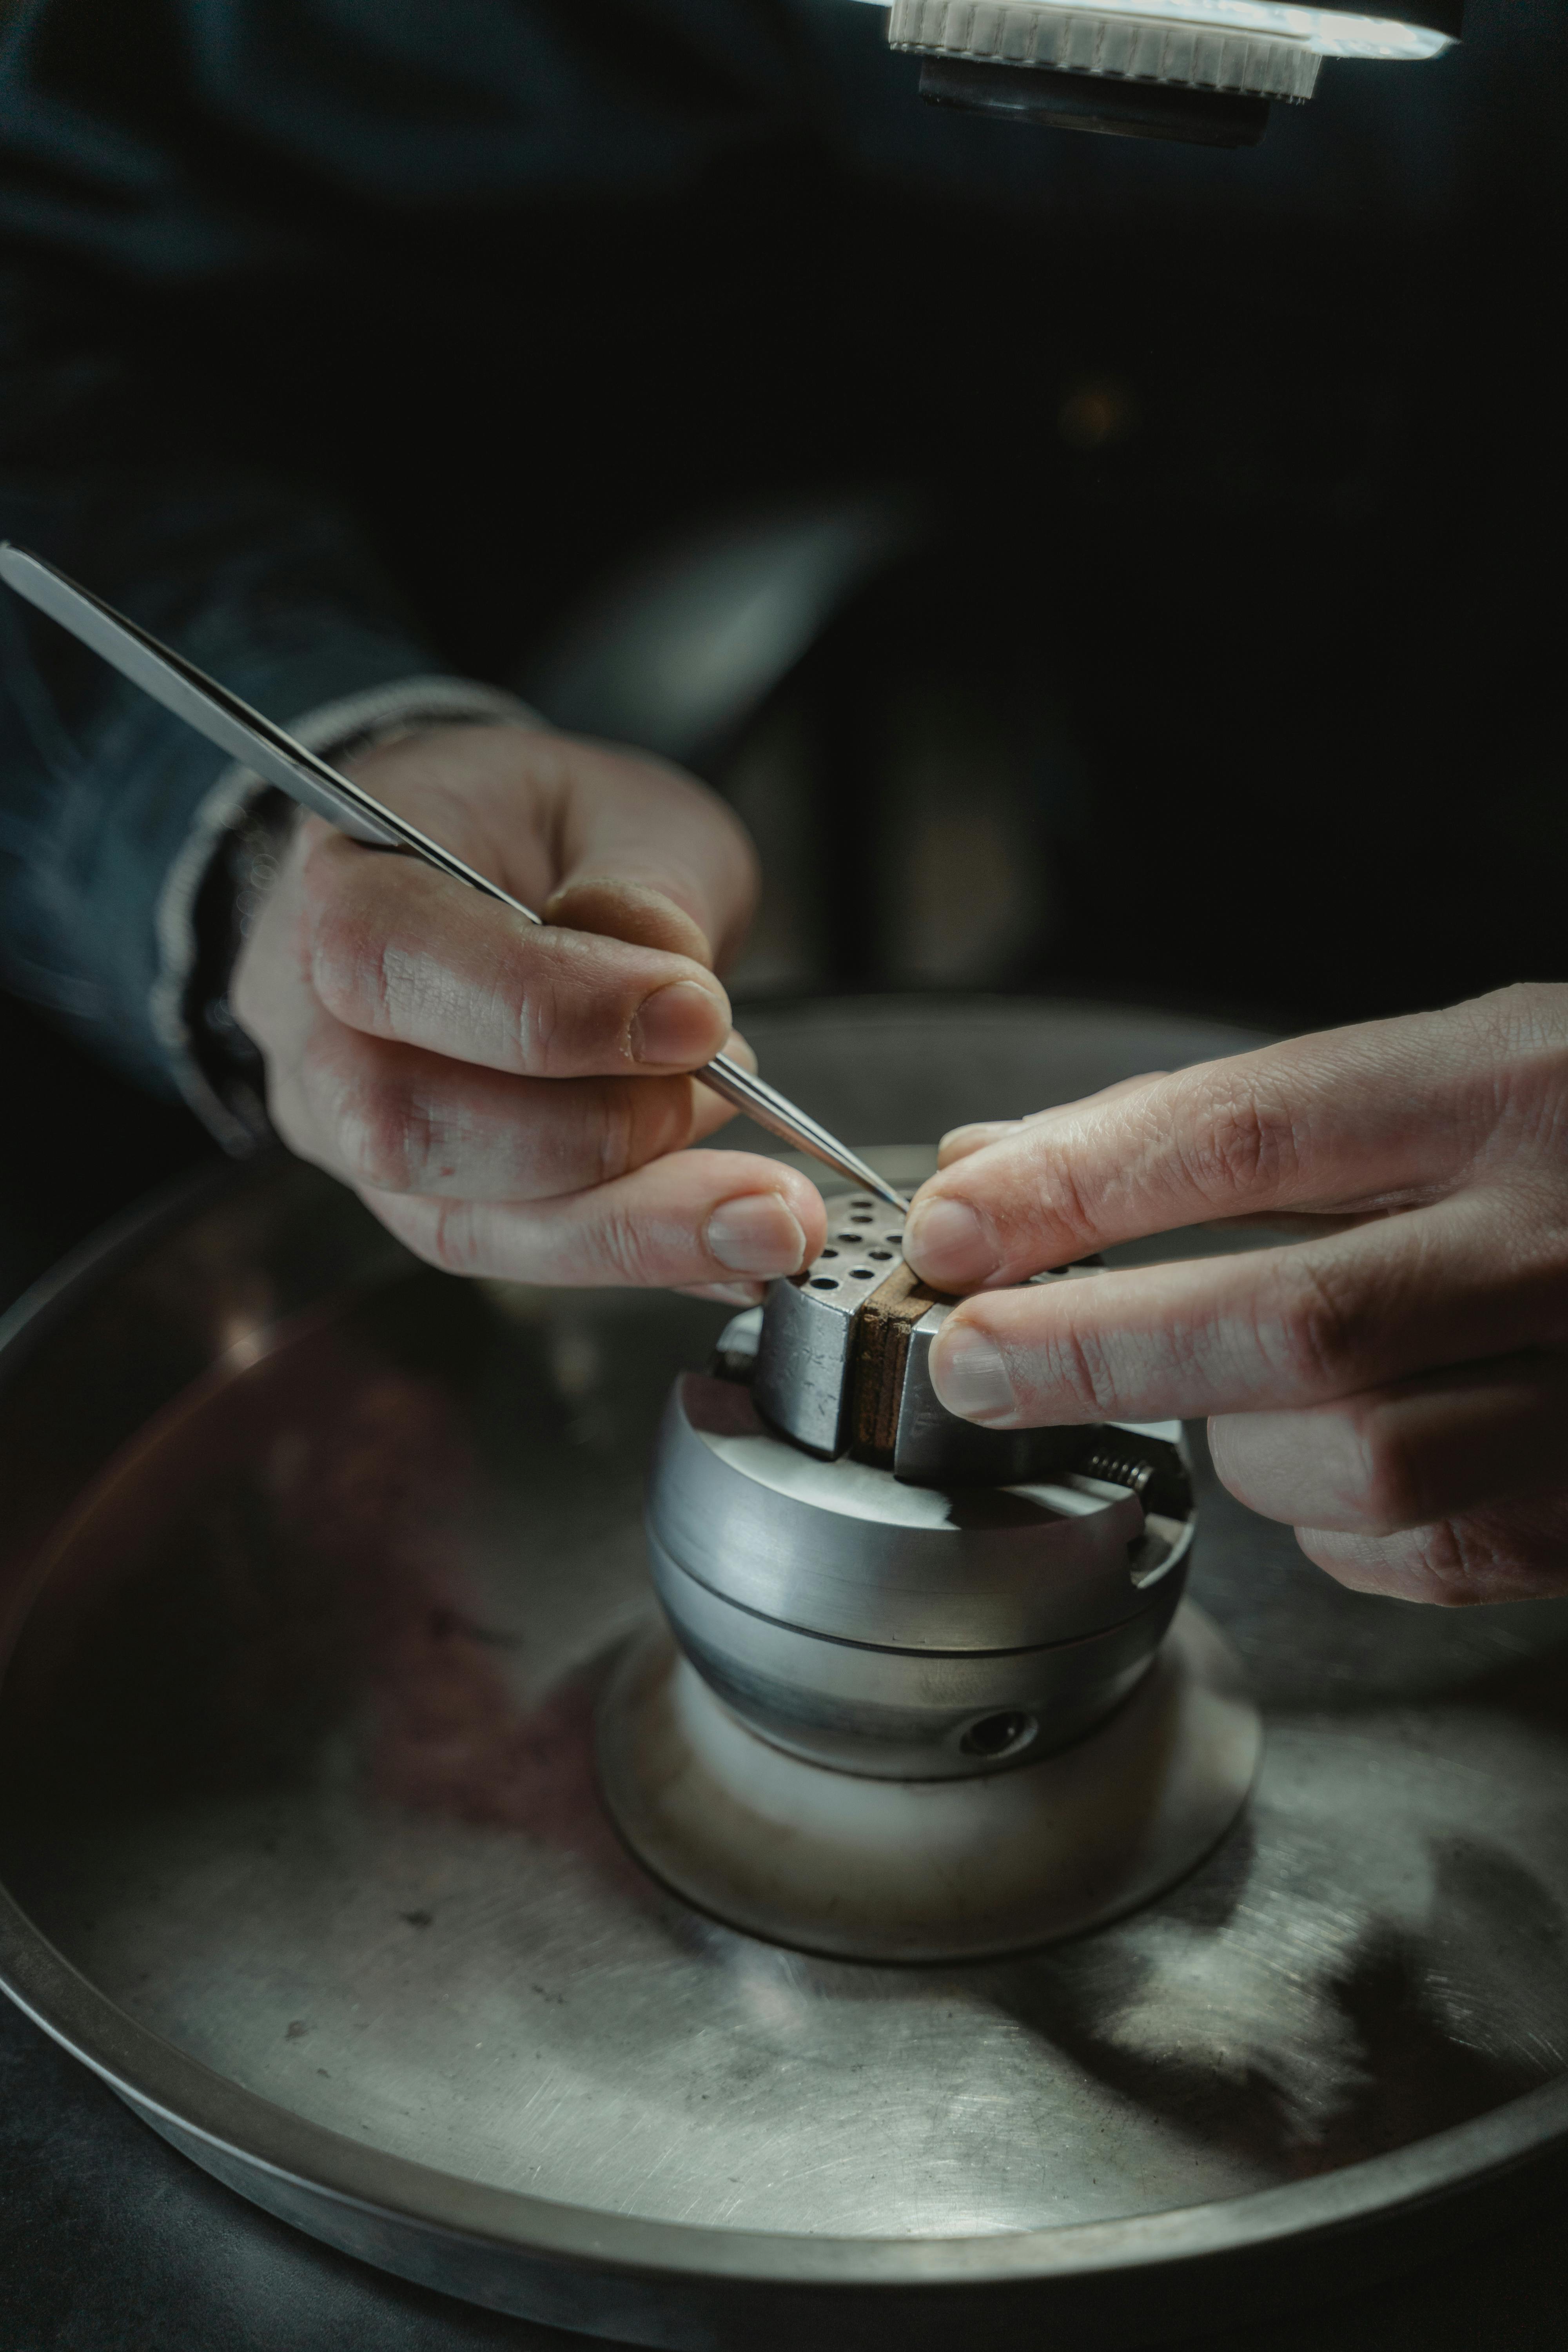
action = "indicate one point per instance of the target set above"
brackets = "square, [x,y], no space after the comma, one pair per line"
[245,867]
[242,843]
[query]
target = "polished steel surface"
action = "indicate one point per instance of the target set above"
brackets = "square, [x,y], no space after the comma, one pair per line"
[846,1549]
[802,1376]
[906,1714]
[314,1563]
[257,742]
[923,1869]
[910,1633]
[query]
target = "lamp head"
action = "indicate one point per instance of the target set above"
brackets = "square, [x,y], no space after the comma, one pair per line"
[1200,71]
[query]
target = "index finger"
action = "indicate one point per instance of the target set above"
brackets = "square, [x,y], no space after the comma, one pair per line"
[397,951]
[1273,1330]
[649,853]
[1380,1115]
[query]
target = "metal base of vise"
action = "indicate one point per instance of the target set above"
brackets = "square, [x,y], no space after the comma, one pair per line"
[874,1869]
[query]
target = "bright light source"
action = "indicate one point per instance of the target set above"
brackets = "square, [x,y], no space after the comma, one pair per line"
[1328,31]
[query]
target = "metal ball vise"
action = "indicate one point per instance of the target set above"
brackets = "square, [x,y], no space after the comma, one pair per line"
[925,1690]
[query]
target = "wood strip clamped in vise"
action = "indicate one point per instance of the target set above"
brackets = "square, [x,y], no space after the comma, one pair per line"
[881,1351]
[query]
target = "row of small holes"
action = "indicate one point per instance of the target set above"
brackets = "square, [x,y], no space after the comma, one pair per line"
[861,1213]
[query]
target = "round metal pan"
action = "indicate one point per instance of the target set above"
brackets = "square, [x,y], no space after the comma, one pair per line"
[312,1562]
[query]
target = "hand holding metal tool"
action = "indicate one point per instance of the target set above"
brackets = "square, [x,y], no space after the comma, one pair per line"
[258,743]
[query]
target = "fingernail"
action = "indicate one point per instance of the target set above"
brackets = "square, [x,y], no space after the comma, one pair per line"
[679,1024]
[969,1373]
[757,1234]
[946,1241]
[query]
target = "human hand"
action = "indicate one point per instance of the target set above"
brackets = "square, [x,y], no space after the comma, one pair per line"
[509,1100]
[1396,1385]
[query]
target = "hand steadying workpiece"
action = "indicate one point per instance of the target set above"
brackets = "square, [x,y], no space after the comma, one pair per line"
[1394,1386]
[512,1101]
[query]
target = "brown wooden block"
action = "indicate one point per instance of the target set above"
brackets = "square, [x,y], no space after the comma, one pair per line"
[881,1351]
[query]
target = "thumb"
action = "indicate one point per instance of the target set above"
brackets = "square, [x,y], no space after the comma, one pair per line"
[649,855]
[622,907]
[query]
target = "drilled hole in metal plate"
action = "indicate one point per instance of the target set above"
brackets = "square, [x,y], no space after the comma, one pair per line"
[825,1281]
[854,1239]
[999,1734]
[860,1204]
[881,1256]
[862,1274]
[830,1253]
[861,1217]
[894,1241]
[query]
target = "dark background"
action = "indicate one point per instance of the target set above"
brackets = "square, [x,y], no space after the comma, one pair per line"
[1232,616]
[1222,671]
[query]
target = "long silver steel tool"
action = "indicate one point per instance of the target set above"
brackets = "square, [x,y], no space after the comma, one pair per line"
[258,743]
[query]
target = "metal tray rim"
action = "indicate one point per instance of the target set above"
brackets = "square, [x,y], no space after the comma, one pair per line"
[155,2076]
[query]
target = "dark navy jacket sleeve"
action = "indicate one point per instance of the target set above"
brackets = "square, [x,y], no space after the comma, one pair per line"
[116,464]
[109,809]
[150,153]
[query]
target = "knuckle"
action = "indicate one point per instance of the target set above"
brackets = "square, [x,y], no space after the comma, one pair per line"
[1059,1186]
[1454,1562]
[369,1114]
[615,1138]
[540,1021]
[642,1118]
[570,1004]
[373,961]
[588,1140]
[1316,1332]
[1441,1564]
[1388,1481]
[1518,1042]
[1235,1143]
[386,1138]
[1514,1551]
[449,1240]
[624,1250]
[1076,1366]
